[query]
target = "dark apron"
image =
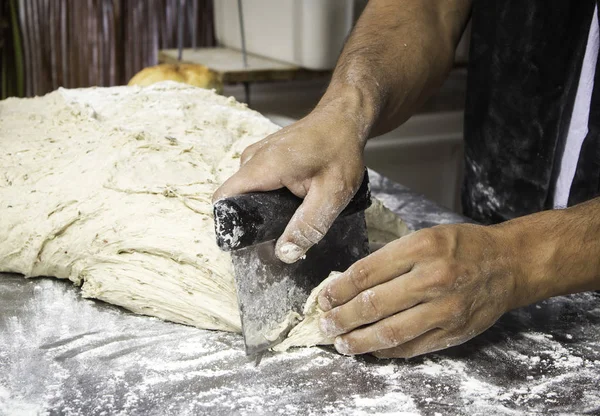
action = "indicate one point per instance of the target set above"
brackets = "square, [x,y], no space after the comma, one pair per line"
[524,67]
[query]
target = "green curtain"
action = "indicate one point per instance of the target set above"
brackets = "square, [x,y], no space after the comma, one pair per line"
[11,50]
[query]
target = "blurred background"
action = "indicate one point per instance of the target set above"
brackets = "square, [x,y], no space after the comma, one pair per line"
[48,44]
[276,55]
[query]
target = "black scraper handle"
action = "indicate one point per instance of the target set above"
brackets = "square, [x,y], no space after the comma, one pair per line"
[248,219]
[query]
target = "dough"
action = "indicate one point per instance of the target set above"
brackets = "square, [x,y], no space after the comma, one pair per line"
[111,188]
[383,226]
[307,332]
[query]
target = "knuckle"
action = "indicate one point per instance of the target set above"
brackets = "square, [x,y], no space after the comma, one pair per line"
[369,305]
[326,298]
[428,240]
[439,240]
[345,189]
[442,278]
[359,276]
[345,345]
[248,153]
[387,335]
[308,233]
[347,180]
[455,271]
[331,324]
[458,315]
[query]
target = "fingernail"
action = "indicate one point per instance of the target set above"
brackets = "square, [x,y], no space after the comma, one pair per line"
[328,327]
[342,346]
[290,253]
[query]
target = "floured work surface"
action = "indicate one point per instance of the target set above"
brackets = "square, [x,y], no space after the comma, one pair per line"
[111,188]
[63,354]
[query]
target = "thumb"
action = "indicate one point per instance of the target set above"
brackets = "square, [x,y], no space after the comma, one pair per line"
[251,177]
[311,222]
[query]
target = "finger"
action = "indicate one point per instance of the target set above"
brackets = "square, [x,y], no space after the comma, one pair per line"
[434,340]
[254,177]
[250,151]
[389,332]
[311,221]
[374,304]
[389,262]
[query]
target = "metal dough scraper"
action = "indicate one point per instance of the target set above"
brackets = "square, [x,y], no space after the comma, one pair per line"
[271,293]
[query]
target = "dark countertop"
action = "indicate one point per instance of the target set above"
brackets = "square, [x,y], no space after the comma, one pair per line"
[61,354]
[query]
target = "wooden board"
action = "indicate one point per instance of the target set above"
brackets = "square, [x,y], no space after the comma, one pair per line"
[229,65]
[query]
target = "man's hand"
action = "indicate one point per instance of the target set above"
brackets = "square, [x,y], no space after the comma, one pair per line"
[424,292]
[398,53]
[319,159]
[442,286]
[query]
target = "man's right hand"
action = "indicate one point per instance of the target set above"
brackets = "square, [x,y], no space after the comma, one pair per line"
[396,56]
[319,159]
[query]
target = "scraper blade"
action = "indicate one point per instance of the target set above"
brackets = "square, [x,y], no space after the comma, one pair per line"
[271,293]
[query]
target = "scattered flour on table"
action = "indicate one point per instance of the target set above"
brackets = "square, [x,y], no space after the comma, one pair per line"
[87,359]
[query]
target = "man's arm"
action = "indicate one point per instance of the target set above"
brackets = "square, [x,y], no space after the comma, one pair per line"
[559,252]
[398,53]
[442,286]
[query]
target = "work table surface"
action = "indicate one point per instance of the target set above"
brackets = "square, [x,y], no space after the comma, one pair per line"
[62,354]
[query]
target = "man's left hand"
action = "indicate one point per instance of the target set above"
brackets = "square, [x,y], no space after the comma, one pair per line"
[430,290]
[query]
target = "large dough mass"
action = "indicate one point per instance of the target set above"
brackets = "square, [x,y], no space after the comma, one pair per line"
[111,188]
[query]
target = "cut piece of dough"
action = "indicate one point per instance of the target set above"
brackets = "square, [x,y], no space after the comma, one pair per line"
[307,332]
[111,188]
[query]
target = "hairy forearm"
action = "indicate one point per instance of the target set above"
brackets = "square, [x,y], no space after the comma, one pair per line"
[556,252]
[398,53]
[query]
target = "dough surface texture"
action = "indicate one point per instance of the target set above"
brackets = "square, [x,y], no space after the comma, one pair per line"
[111,188]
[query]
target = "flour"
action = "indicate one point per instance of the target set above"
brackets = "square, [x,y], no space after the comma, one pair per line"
[63,352]
[371,406]
[10,405]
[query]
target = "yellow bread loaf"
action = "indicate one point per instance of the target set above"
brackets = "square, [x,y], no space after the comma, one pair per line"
[192,74]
